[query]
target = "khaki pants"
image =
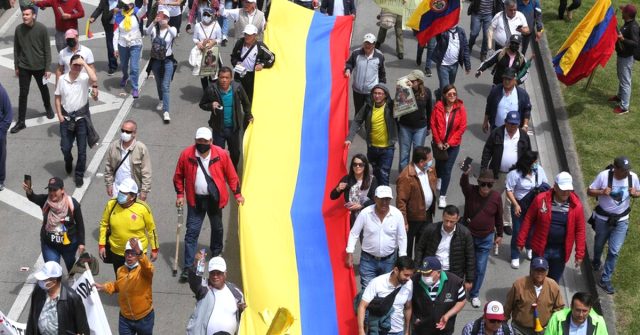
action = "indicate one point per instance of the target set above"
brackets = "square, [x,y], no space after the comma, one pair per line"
[382,35]
[500,186]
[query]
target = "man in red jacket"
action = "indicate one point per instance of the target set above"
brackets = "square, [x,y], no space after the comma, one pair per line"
[67,13]
[558,219]
[206,192]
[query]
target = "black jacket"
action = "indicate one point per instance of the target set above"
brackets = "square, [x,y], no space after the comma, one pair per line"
[498,6]
[442,43]
[462,261]
[491,108]
[264,57]
[364,116]
[350,182]
[75,225]
[492,151]
[107,15]
[629,31]
[241,107]
[501,61]
[429,312]
[349,7]
[72,318]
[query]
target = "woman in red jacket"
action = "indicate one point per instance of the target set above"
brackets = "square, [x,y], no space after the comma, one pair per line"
[448,123]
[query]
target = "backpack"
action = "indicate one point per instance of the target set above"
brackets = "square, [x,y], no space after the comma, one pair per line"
[159,45]
[476,328]
[237,294]
[636,50]
[612,218]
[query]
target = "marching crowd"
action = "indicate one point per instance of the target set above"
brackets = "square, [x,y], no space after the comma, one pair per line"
[415,274]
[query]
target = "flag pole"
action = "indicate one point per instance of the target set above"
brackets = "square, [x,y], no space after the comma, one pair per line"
[586,87]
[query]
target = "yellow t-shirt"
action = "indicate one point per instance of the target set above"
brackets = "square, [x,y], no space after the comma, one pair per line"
[379,134]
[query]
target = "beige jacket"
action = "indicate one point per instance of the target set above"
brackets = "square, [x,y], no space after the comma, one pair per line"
[522,294]
[139,160]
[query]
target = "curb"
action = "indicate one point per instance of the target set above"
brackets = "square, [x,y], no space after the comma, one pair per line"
[563,138]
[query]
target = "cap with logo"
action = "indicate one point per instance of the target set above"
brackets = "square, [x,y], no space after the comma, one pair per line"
[515,39]
[384,192]
[370,38]
[50,269]
[494,310]
[564,181]
[539,263]
[509,74]
[55,184]
[430,263]
[622,162]
[217,264]
[513,117]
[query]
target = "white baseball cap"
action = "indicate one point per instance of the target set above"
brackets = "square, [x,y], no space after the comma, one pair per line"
[129,247]
[128,186]
[203,133]
[494,310]
[217,263]
[128,2]
[564,181]
[250,29]
[384,191]
[371,38]
[50,269]
[165,12]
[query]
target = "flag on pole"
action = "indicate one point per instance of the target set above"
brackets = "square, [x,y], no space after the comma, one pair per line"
[591,43]
[433,17]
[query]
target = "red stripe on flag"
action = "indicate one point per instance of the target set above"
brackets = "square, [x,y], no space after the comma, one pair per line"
[438,26]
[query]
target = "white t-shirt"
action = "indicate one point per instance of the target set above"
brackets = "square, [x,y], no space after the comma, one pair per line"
[168,36]
[124,171]
[338,7]
[381,287]
[64,57]
[74,94]
[619,200]
[201,181]
[453,49]
[426,188]
[520,186]
[499,33]
[223,317]
[203,32]
[509,151]
[507,104]
[249,62]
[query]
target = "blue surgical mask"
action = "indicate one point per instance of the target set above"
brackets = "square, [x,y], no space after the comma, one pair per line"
[535,166]
[133,266]
[429,165]
[122,198]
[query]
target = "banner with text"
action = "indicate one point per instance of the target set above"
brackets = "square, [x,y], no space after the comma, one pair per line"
[95,312]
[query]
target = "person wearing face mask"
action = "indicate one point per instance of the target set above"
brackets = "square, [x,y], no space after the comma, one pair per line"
[219,304]
[202,174]
[133,284]
[127,157]
[206,35]
[127,41]
[73,48]
[557,216]
[55,307]
[505,59]
[438,296]
[163,68]
[67,13]
[62,231]
[124,216]
[416,189]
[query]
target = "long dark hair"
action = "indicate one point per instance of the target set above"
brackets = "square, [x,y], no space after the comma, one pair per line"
[444,93]
[421,91]
[366,175]
[523,165]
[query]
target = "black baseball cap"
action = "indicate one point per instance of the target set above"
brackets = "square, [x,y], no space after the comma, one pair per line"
[55,184]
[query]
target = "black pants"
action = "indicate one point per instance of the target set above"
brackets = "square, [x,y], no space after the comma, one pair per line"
[3,157]
[117,261]
[24,81]
[526,40]
[232,139]
[176,21]
[414,232]
[575,4]
[359,100]
[305,4]
[247,83]
[108,33]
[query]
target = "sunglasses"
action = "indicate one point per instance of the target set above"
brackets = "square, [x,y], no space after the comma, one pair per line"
[451,94]
[126,131]
[483,184]
[494,321]
[357,164]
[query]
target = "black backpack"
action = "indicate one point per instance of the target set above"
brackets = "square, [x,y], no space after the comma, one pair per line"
[159,45]
[476,328]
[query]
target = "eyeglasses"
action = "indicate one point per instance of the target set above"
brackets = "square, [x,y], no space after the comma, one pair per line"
[126,131]
[451,94]
[354,164]
[489,185]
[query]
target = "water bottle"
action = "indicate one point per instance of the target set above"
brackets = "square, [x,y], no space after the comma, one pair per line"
[200,266]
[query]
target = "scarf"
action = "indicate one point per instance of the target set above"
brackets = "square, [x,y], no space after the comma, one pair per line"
[127,19]
[57,213]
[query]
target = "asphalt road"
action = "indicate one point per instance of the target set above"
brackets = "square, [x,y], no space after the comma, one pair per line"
[35,151]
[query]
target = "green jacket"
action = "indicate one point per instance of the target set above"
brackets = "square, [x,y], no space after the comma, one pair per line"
[560,320]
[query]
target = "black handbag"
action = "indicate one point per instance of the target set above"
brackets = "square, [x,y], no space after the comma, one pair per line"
[108,258]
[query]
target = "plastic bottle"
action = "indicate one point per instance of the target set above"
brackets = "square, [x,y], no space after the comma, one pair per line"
[200,266]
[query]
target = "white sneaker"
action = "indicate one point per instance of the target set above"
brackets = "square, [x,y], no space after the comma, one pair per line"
[159,106]
[529,254]
[438,184]
[166,117]
[442,202]
[515,263]
[475,302]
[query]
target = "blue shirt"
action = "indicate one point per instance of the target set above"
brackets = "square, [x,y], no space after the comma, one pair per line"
[227,102]
[506,104]
[558,229]
[577,329]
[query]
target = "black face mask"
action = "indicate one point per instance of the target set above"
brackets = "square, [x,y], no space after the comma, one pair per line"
[202,148]
[514,47]
[71,42]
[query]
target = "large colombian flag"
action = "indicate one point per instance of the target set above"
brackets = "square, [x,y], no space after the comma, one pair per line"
[591,43]
[292,236]
[433,17]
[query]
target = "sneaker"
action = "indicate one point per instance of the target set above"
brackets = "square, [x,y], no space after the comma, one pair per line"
[123,81]
[614,98]
[135,94]
[68,166]
[400,55]
[159,106]
[442,202]
[620,111]
[483,57]
[475,302]
[189,31]
[438,184]
[166,117]
[515,263]
[508,230]
[569,16]
[606,286]
[596,266]
[529,254]
[110,72]
[50,114]
[19,126]
[427,72]
[184,276]
[79,182]
[224,42]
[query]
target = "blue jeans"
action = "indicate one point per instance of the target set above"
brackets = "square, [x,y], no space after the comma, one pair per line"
[446,74]
[130,55]
[163,71]
[482,247]
[194,224]
[477,22]
[370,267]
[52,253]
[143,326]
[443,169]
[624,66]
[381,160]
[516,222]
[555,256]
[431,46]
[409,138]
[615,236]
[223,21]
[66,144]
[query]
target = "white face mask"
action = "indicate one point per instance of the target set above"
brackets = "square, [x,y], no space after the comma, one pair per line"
[45,285]
[427,280]
[126,137]
[133,266]
[206,19]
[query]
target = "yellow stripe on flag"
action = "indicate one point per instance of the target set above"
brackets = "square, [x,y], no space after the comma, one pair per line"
[416,16]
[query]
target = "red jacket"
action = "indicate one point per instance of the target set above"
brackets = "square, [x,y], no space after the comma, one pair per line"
[72,7]
[220,168]
[538,217]
[459,126]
